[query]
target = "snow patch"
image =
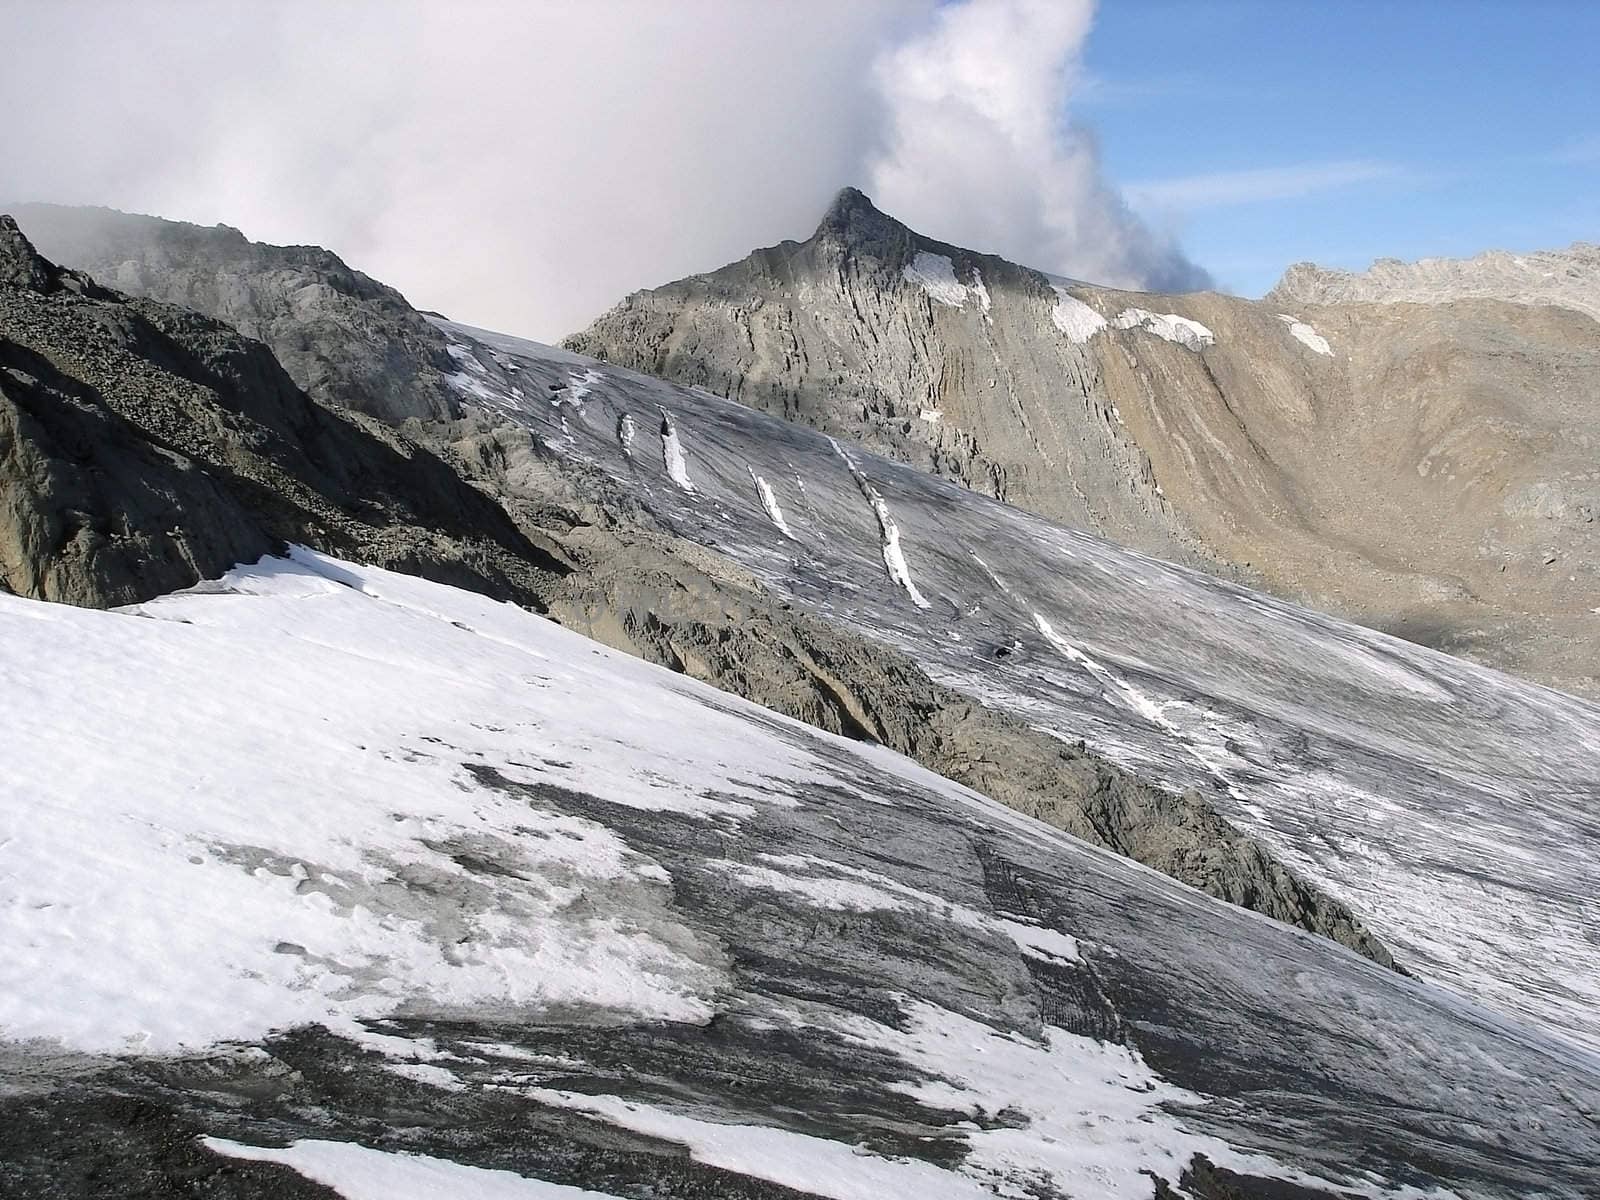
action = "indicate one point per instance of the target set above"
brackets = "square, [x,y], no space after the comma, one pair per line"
[358,1172]
[769,501]
[980,291]
[308,769]
[1305,335]
[812,1165]
[931,415]
[579,387]
[672,453]
[1169,326]
[1073,317]
[894,559]
[936,275]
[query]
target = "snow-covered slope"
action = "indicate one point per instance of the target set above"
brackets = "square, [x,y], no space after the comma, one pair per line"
[1455,809]
[371,882]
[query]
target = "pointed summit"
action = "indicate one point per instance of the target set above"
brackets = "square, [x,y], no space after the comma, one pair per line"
[854,223]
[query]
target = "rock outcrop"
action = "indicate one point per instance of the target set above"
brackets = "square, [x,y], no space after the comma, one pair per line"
[144,447]
[1424,469]
[1567,278]
[343,337]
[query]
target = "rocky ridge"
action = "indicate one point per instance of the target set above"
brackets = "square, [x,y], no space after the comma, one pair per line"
[342,336]
[1567,278]
[145,447]
[1426,470]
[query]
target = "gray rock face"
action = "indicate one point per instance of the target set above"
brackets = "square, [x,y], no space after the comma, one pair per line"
[144,447]
[1427,470]
[345,338]
[1567,278]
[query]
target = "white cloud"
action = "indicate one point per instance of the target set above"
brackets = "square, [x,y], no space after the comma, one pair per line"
[1217,189]
[979,150]
[523,166]
[514,165]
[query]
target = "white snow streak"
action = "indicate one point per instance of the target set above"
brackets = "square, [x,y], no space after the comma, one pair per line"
[769,501]
[894,559]
[813,1165]
[1170,326]
[672,453]
[1073,317]
[579,387]
[1305,335]
[358,1172]
[625,433]
[980,291]
[1151,710]
[1096,1120]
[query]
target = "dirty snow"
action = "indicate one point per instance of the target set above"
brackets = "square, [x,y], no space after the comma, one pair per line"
[1169,326]
[936,275]
[1305,335]
[1073,317]
[358,1172]
[672,453]
[579,386]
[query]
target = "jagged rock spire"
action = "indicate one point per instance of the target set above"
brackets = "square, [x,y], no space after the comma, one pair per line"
[20,264]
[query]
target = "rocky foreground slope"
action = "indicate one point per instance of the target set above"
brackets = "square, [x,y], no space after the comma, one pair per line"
[1423,469]
[364,886]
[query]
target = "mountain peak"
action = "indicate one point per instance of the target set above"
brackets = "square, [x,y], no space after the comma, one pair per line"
[20,264]
[854,222]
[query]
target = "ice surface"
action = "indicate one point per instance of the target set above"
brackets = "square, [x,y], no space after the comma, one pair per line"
[1457,810]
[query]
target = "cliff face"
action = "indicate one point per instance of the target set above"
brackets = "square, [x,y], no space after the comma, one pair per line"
[343,337]
[1425,469]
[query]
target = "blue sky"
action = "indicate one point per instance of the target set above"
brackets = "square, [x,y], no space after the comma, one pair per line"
[1270,131]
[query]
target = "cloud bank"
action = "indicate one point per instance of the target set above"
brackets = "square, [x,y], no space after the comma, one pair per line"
[979,150]
[523,166]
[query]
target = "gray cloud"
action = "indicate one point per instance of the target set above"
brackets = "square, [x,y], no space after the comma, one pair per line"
[523,166]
